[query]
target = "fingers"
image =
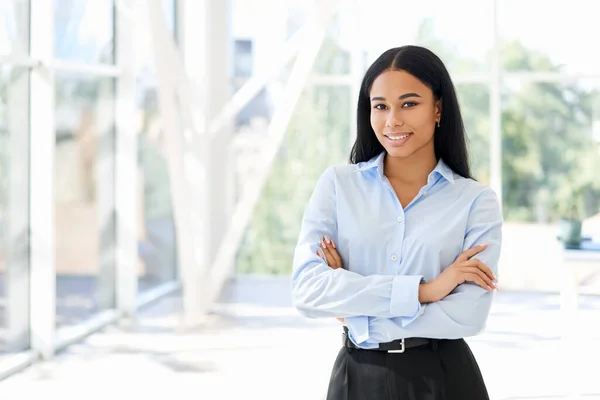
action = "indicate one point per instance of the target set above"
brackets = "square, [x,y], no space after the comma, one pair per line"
[467,254]
[331,255]
[482,279]
[476,278]
[484,268]
[333,251]
[331,261]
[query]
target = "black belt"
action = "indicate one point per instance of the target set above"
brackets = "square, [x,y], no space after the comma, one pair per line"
[397,346]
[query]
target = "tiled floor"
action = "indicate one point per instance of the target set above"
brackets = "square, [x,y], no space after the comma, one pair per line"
[257,346]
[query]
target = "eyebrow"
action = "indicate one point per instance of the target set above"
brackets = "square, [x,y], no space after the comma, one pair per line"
[404,96]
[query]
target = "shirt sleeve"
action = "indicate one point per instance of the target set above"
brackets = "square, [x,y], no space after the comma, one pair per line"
[320,291]
[463,312]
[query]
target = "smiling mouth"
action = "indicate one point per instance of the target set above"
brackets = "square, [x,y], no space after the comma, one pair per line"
[398,136]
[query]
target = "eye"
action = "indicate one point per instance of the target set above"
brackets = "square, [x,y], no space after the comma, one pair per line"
[409,104]
[379,106]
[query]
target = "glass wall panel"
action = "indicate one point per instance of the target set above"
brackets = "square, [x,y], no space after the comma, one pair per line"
[462,40]
[318,136]
[156,232]
[84,195]
[547,36]
[551,159]
[14,27]
[474,100]
[84,30]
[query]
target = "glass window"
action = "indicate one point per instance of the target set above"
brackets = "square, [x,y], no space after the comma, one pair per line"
[243,57]
[448,28]
[14,27]
[156,229]
[550,148]
[170,10]
[474,100]
[84,30]
[14,209]
[84,195]
[321,119]
[553,42]
[551,155]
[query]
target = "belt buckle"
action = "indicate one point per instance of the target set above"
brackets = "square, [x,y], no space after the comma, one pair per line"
[400,350]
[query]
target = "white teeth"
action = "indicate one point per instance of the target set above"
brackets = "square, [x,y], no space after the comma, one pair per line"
[399,137]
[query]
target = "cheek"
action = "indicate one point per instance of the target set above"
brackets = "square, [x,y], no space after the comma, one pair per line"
[376,122]
[425,121]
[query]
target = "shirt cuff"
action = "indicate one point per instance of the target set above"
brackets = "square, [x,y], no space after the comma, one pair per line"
[358,328]
[405,321]
[405,296]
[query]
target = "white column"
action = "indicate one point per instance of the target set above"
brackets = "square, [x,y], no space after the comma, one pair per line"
[126,162]
[204,41]
[186,163]
[16,240]
[495,109]
[207,49]
[42,166]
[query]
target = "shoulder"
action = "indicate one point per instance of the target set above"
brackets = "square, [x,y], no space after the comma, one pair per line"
[340,172]
[477,194]
[472,187]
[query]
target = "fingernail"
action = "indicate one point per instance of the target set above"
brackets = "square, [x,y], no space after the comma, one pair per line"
[333,243]
[323,244]
[327,240]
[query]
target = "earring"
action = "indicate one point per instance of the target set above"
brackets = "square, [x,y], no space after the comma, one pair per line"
[438,124]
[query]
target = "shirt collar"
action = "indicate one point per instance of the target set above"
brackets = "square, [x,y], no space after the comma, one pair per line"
[377,162]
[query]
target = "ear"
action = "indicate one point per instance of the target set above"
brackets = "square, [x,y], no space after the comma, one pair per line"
[438,110]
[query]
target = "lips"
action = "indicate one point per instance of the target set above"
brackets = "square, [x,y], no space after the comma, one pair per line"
[398,139]
[398,136]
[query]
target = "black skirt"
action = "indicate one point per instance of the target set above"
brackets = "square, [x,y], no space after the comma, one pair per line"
[447,371]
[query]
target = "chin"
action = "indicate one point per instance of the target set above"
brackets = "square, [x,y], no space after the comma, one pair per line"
[399,153]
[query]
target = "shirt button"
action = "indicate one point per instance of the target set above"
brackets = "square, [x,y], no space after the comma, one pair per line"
[424,192]
[400,219]
[394,257]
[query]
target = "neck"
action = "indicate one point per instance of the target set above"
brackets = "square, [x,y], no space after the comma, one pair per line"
[410,170]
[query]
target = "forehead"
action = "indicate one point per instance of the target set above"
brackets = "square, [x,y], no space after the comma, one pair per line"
[395,83]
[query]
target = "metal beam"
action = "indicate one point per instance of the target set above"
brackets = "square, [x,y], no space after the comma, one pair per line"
[178,131]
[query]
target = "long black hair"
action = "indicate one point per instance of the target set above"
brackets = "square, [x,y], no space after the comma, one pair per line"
[449,138]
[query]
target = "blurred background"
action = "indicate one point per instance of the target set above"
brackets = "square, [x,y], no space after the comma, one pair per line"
[156,157]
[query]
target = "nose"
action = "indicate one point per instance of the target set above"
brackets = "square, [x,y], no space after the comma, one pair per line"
[393,119]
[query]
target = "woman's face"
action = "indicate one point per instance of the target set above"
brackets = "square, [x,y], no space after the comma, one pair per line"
[404,113]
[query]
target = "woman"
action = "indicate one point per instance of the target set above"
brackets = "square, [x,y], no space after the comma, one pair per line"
[402,244]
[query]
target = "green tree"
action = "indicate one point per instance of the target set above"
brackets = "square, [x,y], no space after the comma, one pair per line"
[547,142]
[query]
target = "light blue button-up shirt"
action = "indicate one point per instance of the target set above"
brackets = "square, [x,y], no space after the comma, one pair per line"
[388,250]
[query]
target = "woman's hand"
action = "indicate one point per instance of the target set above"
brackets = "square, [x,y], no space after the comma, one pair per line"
[464,269]
[328,252]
